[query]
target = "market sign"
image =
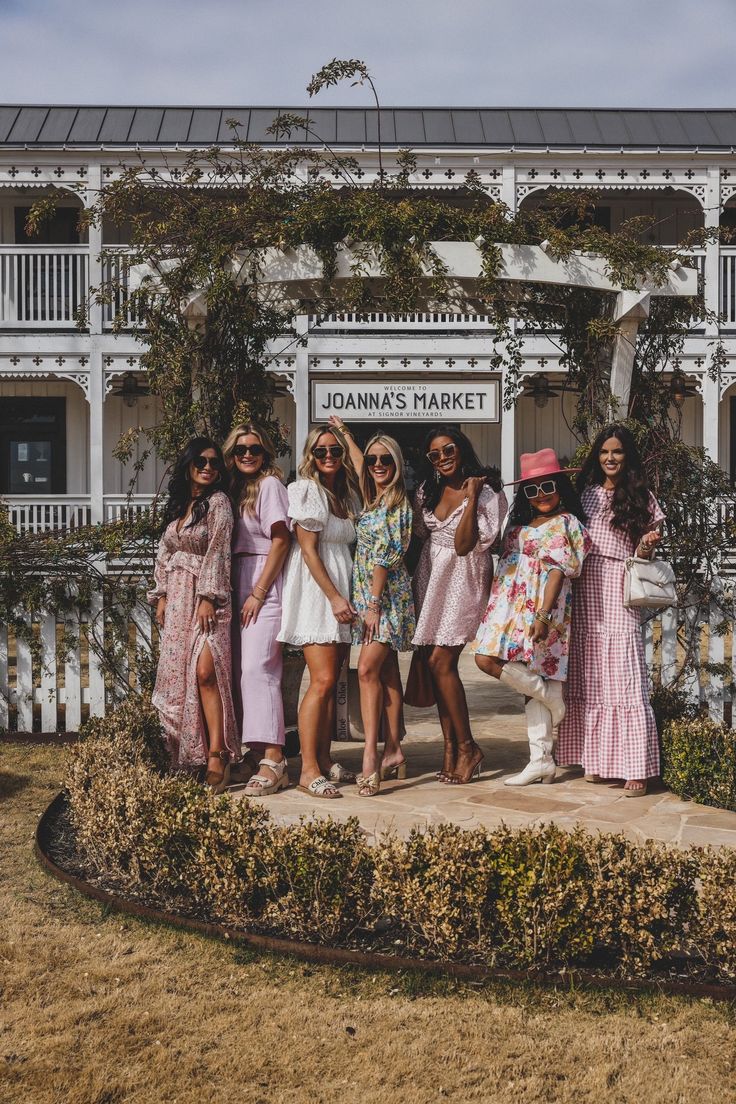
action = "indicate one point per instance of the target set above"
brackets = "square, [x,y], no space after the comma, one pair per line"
[407,401]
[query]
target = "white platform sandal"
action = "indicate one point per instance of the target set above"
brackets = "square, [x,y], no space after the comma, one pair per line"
[260,784]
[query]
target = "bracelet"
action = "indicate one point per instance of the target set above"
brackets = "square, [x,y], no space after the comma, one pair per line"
[375,601]
[544,617]
[257,586]
[261,600]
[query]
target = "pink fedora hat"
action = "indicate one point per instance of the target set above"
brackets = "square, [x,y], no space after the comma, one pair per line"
[535,465]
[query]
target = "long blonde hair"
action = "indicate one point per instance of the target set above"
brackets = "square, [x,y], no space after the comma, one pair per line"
[345,497]
[244,492]
[394,494]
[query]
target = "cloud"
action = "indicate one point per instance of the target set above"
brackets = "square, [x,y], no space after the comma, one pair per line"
[497,52]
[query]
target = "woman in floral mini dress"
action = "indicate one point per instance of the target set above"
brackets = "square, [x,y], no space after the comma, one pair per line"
[523,638]
[193,692]
[385,606]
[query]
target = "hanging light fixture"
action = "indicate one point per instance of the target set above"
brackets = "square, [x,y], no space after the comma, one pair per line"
[539,389]
[679,389]
[130,389]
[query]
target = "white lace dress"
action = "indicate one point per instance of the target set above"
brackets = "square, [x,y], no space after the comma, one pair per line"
[307,616]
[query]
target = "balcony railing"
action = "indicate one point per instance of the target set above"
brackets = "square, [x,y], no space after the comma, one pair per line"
[54,513]
[48,513]
[42,287]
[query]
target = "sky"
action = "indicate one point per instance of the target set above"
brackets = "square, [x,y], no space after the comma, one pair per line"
[544,53]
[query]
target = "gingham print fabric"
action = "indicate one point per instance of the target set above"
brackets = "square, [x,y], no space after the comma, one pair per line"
[609,726]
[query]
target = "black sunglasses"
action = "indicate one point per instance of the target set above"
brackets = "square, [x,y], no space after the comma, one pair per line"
[534,490]
[435,455]
[201,462]
[240,451]
[386,460]
[321,452]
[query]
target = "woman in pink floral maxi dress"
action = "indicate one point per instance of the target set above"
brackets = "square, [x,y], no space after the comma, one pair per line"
[193,691]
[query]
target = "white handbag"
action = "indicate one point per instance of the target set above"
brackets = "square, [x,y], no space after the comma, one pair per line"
[649,583]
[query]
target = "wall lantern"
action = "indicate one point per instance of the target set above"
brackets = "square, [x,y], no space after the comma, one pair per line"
[679,389]
[538,388]
[130,390]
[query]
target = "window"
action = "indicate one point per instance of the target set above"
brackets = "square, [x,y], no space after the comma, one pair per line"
[33,450]
[60,228]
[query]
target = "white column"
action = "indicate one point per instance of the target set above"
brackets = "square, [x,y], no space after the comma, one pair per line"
[508,440]
[96,367]
[508,187]
[711,418]
[301,385]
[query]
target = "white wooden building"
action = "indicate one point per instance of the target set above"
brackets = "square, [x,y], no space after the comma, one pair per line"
[66,395]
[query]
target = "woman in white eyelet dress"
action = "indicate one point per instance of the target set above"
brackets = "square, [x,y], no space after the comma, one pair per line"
[317,613]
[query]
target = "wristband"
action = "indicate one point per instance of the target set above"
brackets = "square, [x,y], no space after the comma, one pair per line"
[375,601]
[544,617]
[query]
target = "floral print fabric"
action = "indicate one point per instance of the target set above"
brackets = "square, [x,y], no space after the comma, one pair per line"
[528,556]
[383,538]
[190,565]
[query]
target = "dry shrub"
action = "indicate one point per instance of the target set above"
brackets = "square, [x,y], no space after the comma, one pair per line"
[643,899]
[699,761]
[514,897]
[714,935]
[438,888]
[318,877]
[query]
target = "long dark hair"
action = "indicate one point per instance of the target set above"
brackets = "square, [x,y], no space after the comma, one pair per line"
[630,499]
[179,489]
[470,465]
[521,512]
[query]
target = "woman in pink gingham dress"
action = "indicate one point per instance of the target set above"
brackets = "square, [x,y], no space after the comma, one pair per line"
[609,726]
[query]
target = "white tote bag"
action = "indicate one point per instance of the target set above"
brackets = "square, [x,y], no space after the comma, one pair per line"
[649,583]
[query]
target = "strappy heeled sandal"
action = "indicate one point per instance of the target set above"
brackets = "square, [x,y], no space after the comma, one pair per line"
[368,784]
[218,781]
[260,784]
[474,772]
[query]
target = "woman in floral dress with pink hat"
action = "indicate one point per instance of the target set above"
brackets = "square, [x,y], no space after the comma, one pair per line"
[523,638]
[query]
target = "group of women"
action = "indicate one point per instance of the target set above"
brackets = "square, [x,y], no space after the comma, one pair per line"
[246,565]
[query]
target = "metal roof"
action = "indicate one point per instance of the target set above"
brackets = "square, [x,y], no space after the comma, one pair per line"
[493,128]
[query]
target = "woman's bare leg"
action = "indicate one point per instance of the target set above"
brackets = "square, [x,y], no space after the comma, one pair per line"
[209,696]
[323,662]
[393,711]
[452,705]
[370,664]
[324,745]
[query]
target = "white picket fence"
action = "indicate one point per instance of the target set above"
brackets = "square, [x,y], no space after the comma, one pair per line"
[61,689]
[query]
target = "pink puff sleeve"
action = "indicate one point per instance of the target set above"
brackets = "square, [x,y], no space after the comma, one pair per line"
[273,505]
[492,510]
[213,582]
[565,546]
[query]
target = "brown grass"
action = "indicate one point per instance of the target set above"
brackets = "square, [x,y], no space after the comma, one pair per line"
[101,1009]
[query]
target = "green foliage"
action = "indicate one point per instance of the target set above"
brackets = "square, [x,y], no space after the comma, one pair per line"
[700,761]
[532,897]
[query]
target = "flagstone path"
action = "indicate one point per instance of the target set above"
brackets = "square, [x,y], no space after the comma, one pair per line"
[498,724]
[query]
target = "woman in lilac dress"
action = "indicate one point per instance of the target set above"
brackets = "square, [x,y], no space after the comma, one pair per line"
[193,692]
[458,513]
[260,545]
[609,726]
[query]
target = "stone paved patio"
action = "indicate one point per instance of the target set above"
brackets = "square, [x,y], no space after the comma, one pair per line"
[498,724]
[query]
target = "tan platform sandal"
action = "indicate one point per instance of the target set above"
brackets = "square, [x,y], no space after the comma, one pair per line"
[397,771]
[260,784]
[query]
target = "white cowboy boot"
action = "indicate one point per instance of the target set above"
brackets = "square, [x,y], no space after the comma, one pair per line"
[547,691]
[541,767]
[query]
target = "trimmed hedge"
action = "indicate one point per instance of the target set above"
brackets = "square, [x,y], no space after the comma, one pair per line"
[699,761]
[509,897]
